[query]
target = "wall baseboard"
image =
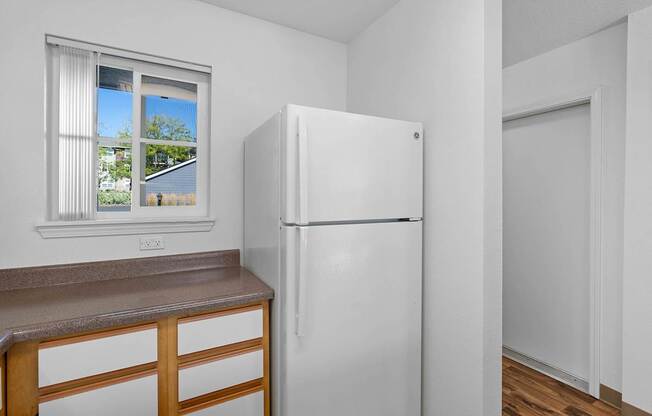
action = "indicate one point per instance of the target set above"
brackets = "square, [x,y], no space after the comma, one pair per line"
[629,410]
[611,396]
[556,373]
[615,398]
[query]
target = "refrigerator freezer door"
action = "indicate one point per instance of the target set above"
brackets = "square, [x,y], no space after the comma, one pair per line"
[352,327]
[348,167]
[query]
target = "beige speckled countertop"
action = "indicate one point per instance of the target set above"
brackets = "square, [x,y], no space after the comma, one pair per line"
[41,312]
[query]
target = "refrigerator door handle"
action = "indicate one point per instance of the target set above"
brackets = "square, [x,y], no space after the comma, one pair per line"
[301,283]
[302,151]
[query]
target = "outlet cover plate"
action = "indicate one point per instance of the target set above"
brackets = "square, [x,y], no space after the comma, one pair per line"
[152,243]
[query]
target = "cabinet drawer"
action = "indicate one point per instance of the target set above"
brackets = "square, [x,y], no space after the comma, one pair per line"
[95,354]
[136,397]
[206,378]
[202,333]
[250,405]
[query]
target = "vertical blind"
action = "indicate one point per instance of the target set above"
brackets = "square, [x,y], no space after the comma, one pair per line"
[76,133]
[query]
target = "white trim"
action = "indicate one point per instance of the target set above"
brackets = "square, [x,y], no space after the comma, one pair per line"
[202,208]
[65,229]
[598,163]
[52,131]
[124,53]
[538,110]
[137,157]
[96,146]
[170,169]
[547,369]
[598,273]
[178,143]
[113,142]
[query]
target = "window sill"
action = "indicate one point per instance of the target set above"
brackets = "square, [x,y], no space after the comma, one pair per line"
[94,228]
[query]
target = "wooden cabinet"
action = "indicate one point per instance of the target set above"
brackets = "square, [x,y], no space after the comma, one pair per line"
[211,364]
[2,385]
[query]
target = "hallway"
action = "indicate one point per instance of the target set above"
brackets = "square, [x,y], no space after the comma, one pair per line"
[527,392]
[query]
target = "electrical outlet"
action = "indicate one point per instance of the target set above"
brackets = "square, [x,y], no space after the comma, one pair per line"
[151,243]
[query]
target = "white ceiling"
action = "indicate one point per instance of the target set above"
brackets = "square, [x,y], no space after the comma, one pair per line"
[532,27]
[338,20]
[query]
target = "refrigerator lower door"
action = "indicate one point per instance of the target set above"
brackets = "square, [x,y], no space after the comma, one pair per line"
[352,326]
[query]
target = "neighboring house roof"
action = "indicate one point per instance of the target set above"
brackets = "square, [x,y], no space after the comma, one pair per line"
[180,179]
[170,169]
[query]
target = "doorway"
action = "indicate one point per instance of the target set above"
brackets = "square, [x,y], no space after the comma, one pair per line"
[546,242]
[552,240]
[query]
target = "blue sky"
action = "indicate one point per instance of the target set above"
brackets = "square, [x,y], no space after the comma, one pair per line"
[184,110]
[114,111]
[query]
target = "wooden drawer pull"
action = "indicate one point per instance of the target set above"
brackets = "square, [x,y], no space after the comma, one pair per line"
[220,396]
[69,388]
[219,314]
[220,353]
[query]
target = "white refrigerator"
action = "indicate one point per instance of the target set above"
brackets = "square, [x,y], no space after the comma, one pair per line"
[333,208]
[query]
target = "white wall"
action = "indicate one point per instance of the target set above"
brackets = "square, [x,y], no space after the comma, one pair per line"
[257,68]
[637,279]
[599,60]
[438,61]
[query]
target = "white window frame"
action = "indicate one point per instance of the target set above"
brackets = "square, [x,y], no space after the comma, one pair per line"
[139,219]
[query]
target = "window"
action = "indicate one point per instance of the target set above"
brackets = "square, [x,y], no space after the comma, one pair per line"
[169,143]
[114,138]
[128,135]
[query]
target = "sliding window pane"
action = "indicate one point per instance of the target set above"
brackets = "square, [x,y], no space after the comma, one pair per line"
[170,175]
[114,103]
[169,109]
[114,179]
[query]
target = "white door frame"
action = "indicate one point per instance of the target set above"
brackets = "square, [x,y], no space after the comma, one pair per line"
[594,98]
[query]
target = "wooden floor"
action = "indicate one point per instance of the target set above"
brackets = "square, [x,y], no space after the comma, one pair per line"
[527,392]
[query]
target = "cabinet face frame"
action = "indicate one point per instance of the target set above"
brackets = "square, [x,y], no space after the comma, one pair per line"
[22,379]
[3,383]
[168,371]
[22,368]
